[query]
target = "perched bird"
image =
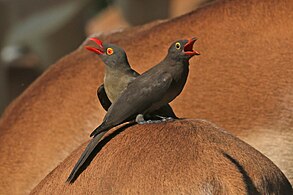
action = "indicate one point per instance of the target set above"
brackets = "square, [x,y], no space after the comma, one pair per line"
[118,74]
[147,93]
[153,89]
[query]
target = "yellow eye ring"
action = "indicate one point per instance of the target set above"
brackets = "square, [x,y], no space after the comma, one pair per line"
[177,45]
[110,51]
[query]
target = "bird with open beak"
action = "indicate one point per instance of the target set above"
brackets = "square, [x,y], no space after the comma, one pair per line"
[118,74]
[145,94]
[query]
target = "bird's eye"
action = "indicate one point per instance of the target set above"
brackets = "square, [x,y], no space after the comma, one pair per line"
[110,51]
[177,45]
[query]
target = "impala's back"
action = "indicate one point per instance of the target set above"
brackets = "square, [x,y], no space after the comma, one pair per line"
[180,157]
[242,81]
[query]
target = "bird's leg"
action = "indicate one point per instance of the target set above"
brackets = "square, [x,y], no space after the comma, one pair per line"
[140,119]
[164,118]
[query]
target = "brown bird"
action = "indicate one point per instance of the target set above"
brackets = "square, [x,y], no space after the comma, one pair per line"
[153,89]
[145,94]
[118,74]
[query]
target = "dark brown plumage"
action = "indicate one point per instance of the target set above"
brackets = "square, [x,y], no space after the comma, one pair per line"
[154,88]
[147,93]
[118,74]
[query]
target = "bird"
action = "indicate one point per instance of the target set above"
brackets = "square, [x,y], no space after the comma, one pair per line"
[146,93]
[153,89]
[118,74]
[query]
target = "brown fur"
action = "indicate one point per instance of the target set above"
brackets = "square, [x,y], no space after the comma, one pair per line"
[184,156]
[242,81]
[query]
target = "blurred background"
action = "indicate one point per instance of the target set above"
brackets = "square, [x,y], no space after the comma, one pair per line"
[34,34]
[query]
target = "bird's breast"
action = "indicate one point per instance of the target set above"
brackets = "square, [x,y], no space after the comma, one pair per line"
[115,84]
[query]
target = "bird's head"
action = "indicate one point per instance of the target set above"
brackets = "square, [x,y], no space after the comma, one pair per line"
[112,55]
[182,49]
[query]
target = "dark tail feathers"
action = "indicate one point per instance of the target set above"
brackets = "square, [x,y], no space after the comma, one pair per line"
[100,129]
[85,155]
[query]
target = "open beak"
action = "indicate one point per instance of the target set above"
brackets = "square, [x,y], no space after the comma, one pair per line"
[96,50]
[188,48]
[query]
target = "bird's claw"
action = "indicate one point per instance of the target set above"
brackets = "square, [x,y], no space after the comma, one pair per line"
[167,119]
[155,121]
[145,122]
[163,118]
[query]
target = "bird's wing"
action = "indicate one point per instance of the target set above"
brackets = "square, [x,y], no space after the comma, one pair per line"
[104,100]
[139,95]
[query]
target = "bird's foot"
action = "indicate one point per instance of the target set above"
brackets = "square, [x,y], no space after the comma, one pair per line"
[140,120]
[150,122]
[163,118]
[144,122]
[155,121]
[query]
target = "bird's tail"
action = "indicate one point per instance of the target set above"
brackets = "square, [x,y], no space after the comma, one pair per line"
[85,155]
[103,127]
